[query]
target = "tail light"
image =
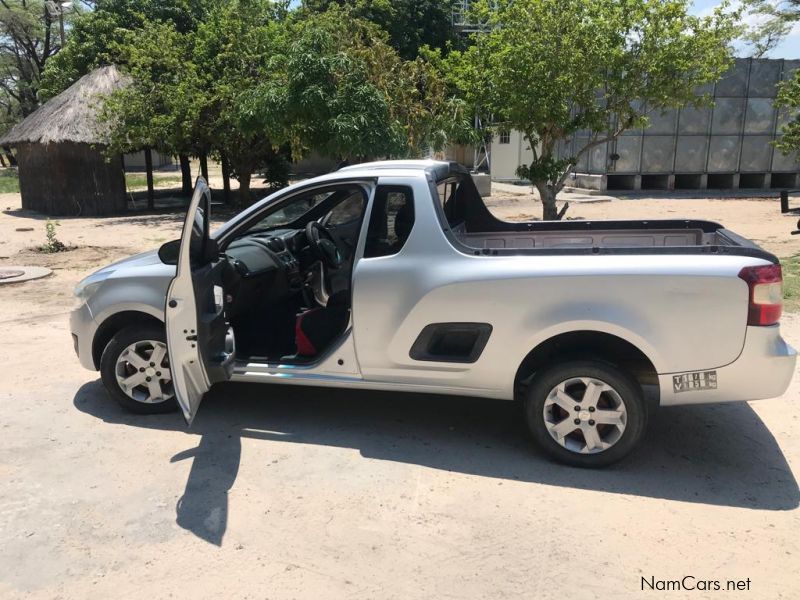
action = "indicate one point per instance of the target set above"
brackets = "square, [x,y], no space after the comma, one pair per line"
[766,294]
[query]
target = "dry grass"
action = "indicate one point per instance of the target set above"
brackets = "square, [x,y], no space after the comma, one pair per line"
[138,181]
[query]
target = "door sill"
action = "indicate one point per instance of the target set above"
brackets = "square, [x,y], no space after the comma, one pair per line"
[294,361]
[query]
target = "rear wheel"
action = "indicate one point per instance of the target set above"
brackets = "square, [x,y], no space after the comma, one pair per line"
[135,370]
[585,413]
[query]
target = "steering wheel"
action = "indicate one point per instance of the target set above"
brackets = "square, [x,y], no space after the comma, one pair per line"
[322,244]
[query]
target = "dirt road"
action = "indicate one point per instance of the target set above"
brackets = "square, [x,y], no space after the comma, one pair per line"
[298,493]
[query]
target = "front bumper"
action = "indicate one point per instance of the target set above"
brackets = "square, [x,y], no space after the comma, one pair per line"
[83,327]
[764,369]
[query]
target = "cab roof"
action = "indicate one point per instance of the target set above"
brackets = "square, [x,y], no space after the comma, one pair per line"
[439,169]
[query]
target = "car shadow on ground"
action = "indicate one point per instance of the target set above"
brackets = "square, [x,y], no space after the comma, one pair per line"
[720,455]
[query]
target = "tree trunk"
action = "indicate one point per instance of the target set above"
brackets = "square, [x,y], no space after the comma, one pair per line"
[148,165]
[2,160]
[186,175]
[244,188]
[226,180]
[204,166]
[548,198]
[10,156]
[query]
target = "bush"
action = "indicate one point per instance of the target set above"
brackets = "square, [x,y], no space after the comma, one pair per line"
[276,174]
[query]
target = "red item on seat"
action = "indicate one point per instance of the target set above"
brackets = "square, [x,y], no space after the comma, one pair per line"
[304,345]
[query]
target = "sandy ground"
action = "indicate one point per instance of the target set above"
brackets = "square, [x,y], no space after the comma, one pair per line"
[300,493]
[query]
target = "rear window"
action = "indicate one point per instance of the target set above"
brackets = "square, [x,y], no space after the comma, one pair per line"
[390,221]
[447,190]
[452,196]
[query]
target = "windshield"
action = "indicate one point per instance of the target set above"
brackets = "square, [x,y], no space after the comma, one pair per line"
[293,211]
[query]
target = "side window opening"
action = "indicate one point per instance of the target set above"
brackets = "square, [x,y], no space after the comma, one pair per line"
[347,211]
[390,222]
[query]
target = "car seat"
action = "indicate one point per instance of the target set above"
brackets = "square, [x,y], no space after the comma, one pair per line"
[316,328]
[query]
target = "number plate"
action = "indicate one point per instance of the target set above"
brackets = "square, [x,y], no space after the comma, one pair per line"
[693,382]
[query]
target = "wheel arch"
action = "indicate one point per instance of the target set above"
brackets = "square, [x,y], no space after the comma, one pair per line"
[582,345]
[115,323]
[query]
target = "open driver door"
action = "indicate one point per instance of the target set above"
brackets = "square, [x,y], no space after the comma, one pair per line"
[199,339]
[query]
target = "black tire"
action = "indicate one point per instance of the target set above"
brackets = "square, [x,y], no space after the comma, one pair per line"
[108,364]
[629,392]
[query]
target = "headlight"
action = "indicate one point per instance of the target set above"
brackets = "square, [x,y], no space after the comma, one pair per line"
[88,286]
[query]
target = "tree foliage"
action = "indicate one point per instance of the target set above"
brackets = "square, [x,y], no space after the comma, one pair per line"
[188,87]
[789,100]
[253,79]
[29,39]
[410,24]
[554,69]
[322,93]
[782,16]
[159,107]
[233,53]
[100,36]
[340,89]
[769,22]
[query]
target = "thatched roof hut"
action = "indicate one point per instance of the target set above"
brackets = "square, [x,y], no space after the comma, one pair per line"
[63,169]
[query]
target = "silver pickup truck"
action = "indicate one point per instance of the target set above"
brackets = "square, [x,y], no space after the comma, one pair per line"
[395,276]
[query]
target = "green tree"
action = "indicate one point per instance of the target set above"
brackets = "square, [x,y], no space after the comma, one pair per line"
[29,39]
[433,113]
[108,34]
[770,22]
[233,53]
[159,107]
[323,94]
[340,89]
[789,100]
[555,68]
[99,37]
[188,87]
[411,24]
[255,78]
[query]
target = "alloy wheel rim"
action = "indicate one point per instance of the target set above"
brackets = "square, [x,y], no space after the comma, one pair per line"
[585,415]
[143,372]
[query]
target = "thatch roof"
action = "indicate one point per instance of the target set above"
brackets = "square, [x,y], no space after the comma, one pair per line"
[72,115]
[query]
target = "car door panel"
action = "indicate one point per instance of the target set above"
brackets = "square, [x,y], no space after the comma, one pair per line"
[199,340]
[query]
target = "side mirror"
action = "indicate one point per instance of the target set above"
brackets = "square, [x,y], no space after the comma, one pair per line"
[169,252]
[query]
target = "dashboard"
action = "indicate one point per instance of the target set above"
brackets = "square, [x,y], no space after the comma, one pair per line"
[260,253]
[264,268]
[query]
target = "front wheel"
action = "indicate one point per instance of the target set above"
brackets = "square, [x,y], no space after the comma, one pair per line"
[135,370]
[585,413]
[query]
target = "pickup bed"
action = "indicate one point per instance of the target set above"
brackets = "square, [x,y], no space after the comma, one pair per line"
[395,275]
[672,236]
